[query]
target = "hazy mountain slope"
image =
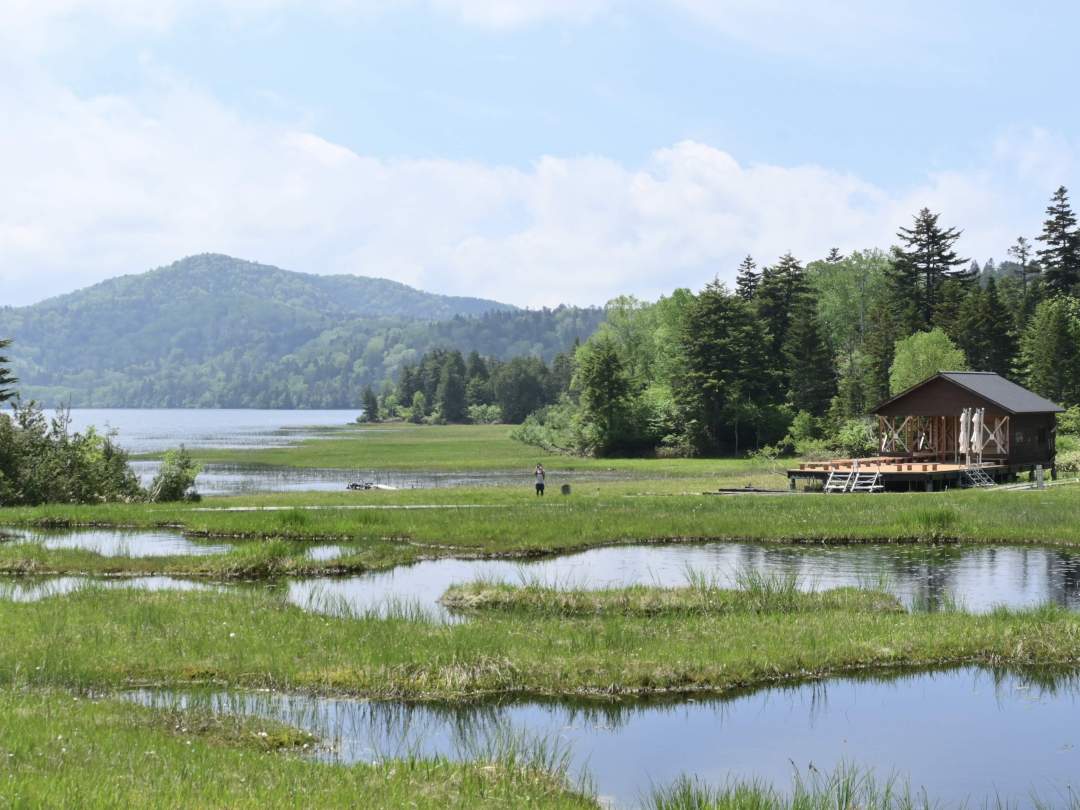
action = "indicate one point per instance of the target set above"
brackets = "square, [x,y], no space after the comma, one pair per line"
[216,331]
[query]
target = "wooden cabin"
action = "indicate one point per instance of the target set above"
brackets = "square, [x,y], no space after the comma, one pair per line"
[1010,430]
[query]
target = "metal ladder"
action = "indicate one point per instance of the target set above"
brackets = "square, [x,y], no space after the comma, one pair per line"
[839,482]
[867,482]
[976,477]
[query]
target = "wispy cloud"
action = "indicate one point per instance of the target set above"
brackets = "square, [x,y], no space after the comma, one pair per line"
[110,185]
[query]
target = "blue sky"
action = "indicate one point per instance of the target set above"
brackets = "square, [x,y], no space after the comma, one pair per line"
[536,152]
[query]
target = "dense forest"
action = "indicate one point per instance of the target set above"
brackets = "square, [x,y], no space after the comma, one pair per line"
[794,355]
[213,331]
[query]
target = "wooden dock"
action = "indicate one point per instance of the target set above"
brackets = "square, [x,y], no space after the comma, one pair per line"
[900,474]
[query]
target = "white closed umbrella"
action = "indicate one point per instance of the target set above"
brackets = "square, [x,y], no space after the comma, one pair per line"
[977,433]
[965,432]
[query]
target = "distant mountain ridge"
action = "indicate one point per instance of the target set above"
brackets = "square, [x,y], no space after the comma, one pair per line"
[215,331]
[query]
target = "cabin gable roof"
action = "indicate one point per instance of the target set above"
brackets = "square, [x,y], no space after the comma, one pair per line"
[986,385]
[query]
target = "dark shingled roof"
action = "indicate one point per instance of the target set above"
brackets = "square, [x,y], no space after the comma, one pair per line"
[994,388]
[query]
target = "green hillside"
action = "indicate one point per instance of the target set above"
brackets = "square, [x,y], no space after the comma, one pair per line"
[213,331]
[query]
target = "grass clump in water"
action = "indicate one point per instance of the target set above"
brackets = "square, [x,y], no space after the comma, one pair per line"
[846,788]
[755,593]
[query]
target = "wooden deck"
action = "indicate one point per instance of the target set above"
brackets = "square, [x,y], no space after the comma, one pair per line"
[900,473]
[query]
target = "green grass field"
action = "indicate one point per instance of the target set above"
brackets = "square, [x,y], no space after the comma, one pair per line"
[455,448]
[390,529]
[61,749]
[518,641]
[106,639]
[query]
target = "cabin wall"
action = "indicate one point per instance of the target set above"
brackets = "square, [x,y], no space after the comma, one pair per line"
[939,398]
[1031,435]
[1031,439]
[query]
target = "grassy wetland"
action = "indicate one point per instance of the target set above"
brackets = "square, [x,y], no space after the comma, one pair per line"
[67,657]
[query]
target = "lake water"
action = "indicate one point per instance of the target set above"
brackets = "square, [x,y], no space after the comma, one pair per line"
[119,542]
[966,735]
[153,430]
[33,589]
[142,431]
[978,577]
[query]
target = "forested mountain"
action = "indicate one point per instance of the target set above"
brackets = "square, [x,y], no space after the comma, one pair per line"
[214,331]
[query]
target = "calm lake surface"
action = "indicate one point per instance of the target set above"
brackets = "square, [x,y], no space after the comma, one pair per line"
[33,589]
[964,735]
[978,577]
[153,430]
[119,542]
[141,431]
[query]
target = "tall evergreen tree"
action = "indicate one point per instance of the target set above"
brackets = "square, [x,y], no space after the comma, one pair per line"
[726,383]
[835,256]
[371,405]
[883,330]
[927,259]
[781,291]
[747,280]
[1021,252]
[809,361]
[1050,350]
[605,393]
[1060,256]
[6,380]
[450,401]
[951,297]
[983,330]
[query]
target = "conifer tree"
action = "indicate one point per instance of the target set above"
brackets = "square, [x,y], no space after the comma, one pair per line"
[783,287]
[1021,253]
[605,393]
[835,256]
[747,280]
[727,379]
[926,259]
[1060,256]
[883,330]
[809,361]
[984,331]
[1003,343]
[951,297]
[371,405]
[6,380]
[1049,350]
[450,399]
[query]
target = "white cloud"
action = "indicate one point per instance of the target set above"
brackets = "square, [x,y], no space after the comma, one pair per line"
[768,23]
[102,186]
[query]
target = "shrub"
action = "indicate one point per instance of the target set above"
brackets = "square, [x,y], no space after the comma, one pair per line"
[485,414]
[42,461]
[175,480]
[856,438]
[1068,461]
[1069,422]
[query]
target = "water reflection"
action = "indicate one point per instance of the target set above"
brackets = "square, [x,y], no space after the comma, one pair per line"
[963,735]
[33,589]
[977,577]
[239,479]
[119,542]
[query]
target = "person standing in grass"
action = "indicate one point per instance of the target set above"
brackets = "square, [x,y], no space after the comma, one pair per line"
[539,480]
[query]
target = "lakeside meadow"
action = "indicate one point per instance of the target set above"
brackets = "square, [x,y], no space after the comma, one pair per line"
[221,614]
